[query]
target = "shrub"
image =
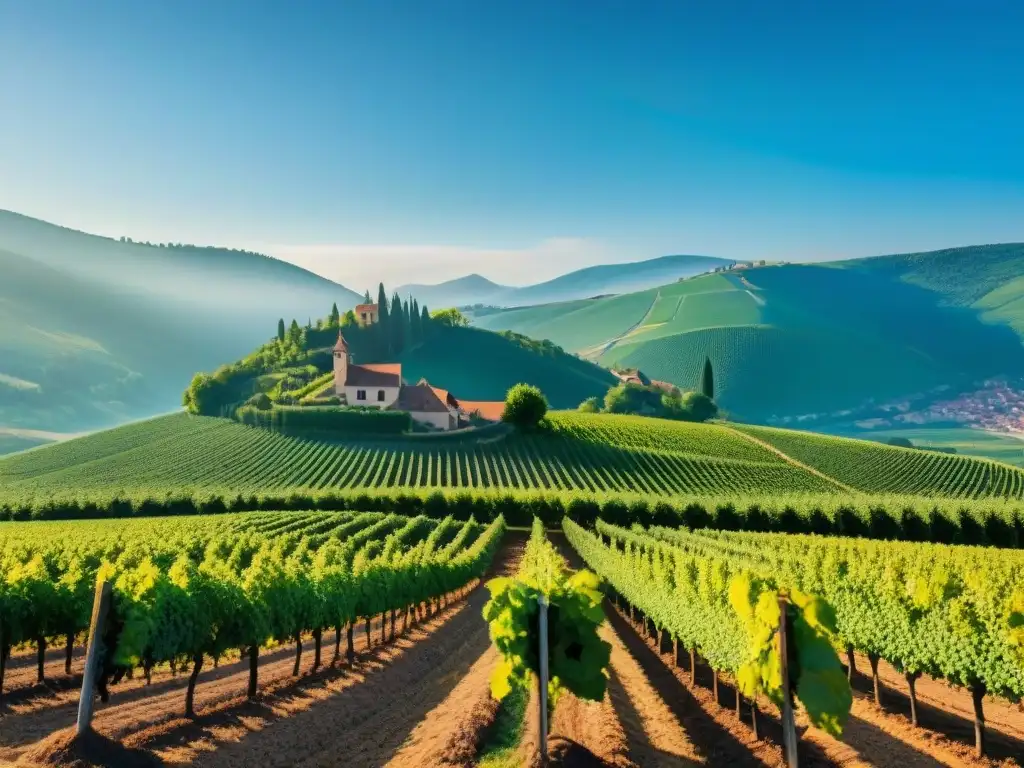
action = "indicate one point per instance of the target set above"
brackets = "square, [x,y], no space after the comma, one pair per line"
[324,420]
[590,405]
[260,401]
[698,407]
[525,406]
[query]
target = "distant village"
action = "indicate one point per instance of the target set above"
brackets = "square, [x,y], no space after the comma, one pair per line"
[997,406]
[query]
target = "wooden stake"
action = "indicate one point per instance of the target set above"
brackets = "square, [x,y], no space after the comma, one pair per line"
[93,656]
[788,720]
[543,683]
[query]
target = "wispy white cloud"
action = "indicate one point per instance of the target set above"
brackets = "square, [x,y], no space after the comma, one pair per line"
[360,266]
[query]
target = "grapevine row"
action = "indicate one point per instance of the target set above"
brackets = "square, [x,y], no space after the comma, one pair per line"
[950,612]
[729,614]
[187,590]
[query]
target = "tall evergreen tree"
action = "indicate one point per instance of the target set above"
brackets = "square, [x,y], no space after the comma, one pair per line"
[294,332]
[407,315]
[335,316]
[397,324]
[425,322]
[280,329]
[415,322]
[366,297]
[707,381]
[383,324]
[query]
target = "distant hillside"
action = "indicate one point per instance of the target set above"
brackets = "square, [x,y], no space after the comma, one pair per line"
[785,341]
[94,331]
[471,289]
[581,284]
[988,278]
[478,365]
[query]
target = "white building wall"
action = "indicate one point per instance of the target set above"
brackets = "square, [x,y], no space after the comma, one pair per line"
[439,420]
[390,396]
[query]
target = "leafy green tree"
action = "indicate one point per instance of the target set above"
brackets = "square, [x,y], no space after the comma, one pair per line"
[450,317]
[525,406]
[590,405]
[348,319]
[335,316]
[280,329]
[295,333]
[698,406]
[707,381]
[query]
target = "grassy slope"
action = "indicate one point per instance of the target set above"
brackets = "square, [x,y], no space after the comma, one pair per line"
[107,331]
[794,339]
[480,365]
[594,454]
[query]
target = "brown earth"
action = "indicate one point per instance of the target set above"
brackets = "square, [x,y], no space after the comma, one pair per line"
[346,716]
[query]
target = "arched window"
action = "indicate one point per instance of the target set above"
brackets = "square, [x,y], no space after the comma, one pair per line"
[380,395]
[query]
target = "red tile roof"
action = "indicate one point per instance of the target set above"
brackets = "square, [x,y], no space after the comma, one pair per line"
[341,345]
[374,375]
[420,398]
[488,409]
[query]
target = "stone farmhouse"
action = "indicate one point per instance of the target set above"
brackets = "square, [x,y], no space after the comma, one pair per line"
[366,314]
[380,385]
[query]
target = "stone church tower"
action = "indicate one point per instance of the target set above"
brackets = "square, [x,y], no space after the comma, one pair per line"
[341,360]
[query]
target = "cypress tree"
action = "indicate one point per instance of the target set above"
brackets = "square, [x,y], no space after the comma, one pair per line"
[425,322]
[397,321]
[366,297]
[335,316]
[295,332]
[415,321]
[383,324]
[280,329]
[707,382]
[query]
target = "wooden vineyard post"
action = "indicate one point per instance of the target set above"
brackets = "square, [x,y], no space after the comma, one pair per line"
[788,720]
[93,656]
[542,602]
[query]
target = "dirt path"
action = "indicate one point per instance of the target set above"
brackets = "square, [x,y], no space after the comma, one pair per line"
[790,460]
[604,347]
[450,733]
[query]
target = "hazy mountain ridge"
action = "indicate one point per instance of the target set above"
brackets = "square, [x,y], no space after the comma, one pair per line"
[583,283]
[94,331]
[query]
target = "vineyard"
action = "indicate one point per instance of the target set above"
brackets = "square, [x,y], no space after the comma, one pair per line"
[370,619]
[878,468]
[618,454]
[592,454]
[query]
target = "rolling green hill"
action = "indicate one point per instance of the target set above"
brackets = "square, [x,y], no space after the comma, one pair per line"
[793,340]
[628,465]
[95,331]
[195,454]
[479,365]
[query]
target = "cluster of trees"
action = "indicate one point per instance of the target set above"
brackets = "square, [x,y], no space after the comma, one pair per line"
[650,399]
[653,400]
[401,325]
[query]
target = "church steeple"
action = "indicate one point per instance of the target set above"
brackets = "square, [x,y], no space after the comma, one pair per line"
[341,360]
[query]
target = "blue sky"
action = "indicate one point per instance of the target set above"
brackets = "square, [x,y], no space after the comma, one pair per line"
[418,141]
